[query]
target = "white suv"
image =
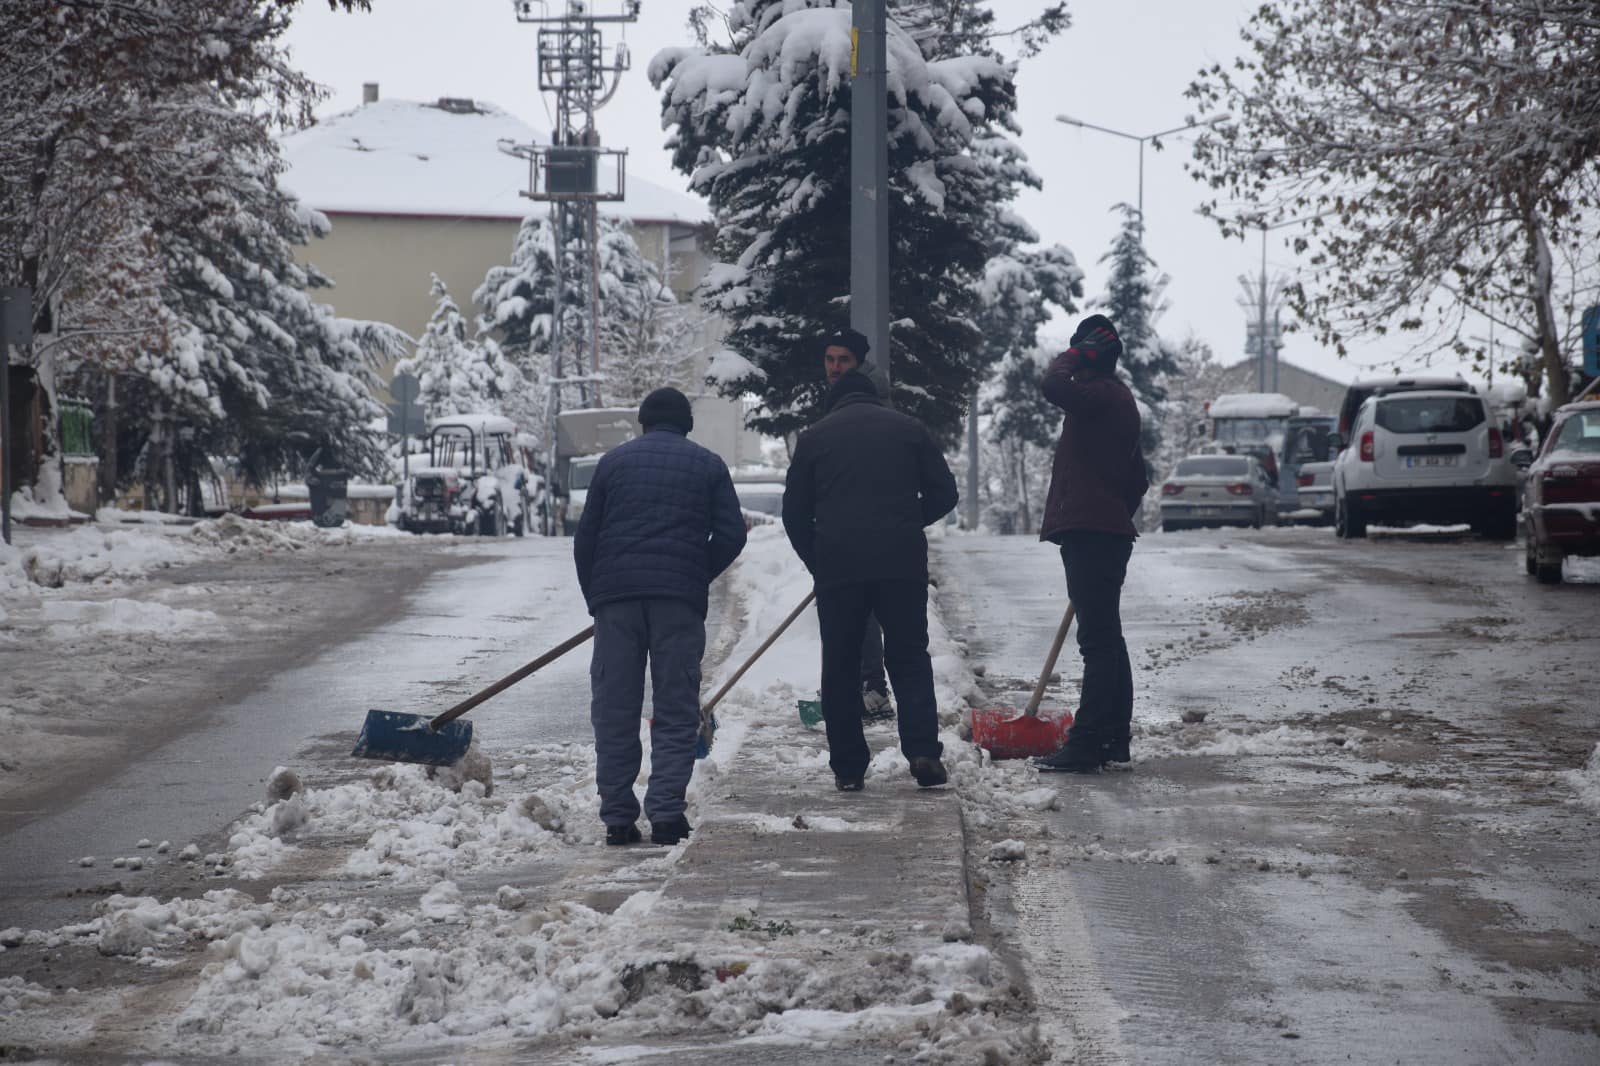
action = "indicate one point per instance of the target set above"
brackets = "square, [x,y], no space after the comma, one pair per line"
[1425,456]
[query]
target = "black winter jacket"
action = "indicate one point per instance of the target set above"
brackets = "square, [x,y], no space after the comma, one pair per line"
[862,484]
[661,521]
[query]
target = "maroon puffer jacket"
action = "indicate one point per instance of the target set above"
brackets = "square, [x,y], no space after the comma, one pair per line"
[1098,478]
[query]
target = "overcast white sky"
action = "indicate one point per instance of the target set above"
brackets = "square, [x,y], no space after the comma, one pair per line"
[1123,64]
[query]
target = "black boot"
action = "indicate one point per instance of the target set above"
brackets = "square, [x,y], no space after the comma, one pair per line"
[1115,751]
[1070,759]
[928,771]
[670,832]
[618,835]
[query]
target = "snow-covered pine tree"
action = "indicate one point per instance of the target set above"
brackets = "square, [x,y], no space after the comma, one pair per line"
[457,375]
[1133,301]
[762,127]
[1018,292]
[1441,157]
[260,371]
[516,306]
[103,83]
[649,339]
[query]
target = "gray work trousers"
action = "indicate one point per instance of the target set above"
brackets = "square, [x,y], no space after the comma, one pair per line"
[671,634]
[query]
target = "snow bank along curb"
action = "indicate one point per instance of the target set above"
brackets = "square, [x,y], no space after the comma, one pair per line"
[795,915]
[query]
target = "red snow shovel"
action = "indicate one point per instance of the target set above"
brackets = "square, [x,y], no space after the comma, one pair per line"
[1018,738]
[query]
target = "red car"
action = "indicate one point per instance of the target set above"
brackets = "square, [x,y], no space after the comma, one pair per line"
[1561,497]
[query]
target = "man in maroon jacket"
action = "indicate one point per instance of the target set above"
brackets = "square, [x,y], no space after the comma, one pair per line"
[1096,484]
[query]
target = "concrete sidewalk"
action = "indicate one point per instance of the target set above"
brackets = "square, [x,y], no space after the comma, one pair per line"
[848,905]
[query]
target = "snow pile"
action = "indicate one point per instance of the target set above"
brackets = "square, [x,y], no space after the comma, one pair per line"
[231,534]
[1167,739]
[350,974]
[90,554]
[49,502]
[416,824]
[17,994]
[138,926]
[78,618]
[1586,781]
[87,554]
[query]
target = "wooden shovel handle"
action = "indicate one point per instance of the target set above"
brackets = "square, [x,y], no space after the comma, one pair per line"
[748,663]
[1050,663]
[511,679]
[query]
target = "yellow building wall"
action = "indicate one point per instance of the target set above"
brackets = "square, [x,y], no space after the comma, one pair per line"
[381,265]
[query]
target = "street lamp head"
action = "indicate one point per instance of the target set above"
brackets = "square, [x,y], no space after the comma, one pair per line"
[1069,120]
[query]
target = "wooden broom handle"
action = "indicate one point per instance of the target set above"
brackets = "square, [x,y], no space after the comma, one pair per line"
[1050,663]
[748,663]
[511,679]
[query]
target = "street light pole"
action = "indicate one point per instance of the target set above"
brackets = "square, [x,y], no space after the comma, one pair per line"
[1070,121]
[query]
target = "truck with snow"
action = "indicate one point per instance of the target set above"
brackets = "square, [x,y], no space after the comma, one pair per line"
[583,435]
[475,480]
[1256,424]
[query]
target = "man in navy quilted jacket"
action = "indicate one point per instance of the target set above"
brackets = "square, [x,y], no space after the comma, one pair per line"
[660,523]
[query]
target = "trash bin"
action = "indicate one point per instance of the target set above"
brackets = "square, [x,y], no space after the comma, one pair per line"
[330,497]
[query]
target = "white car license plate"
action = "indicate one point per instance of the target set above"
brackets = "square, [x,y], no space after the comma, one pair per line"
[1414,461]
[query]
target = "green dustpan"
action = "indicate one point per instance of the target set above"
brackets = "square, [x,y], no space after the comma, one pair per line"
[811,713]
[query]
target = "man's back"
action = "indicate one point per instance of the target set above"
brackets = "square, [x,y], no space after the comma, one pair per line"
[648,524]
[862,485]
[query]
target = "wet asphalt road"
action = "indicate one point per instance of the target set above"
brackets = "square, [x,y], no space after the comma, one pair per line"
[466,618]
[1364,853]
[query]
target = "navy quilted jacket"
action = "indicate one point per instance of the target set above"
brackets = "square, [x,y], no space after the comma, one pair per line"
[660,522]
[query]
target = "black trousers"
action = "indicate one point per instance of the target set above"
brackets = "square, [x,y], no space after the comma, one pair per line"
[1097,564]
[901,608]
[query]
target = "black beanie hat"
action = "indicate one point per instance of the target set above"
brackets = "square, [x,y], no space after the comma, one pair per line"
[855,341]
[666,407]
[849,383]
[1096,338]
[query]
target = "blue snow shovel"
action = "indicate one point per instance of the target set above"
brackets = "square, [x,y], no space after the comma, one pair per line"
[441,741]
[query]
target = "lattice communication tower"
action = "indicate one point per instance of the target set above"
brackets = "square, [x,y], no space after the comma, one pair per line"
[573,173]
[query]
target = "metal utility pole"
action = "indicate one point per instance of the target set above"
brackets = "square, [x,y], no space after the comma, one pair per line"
[869,180]
[567,173]
[972,460]
[1262,300]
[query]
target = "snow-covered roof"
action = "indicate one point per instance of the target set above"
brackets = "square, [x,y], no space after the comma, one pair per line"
[401,157]
[1252,405]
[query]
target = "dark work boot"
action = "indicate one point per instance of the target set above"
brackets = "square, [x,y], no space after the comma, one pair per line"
[618,835]
[850,784]
[1115,751]
[928,771]
[1069,760]
[670,832]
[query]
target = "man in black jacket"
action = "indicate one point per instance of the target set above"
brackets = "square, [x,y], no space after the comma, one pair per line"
[862,484]
[842,352]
